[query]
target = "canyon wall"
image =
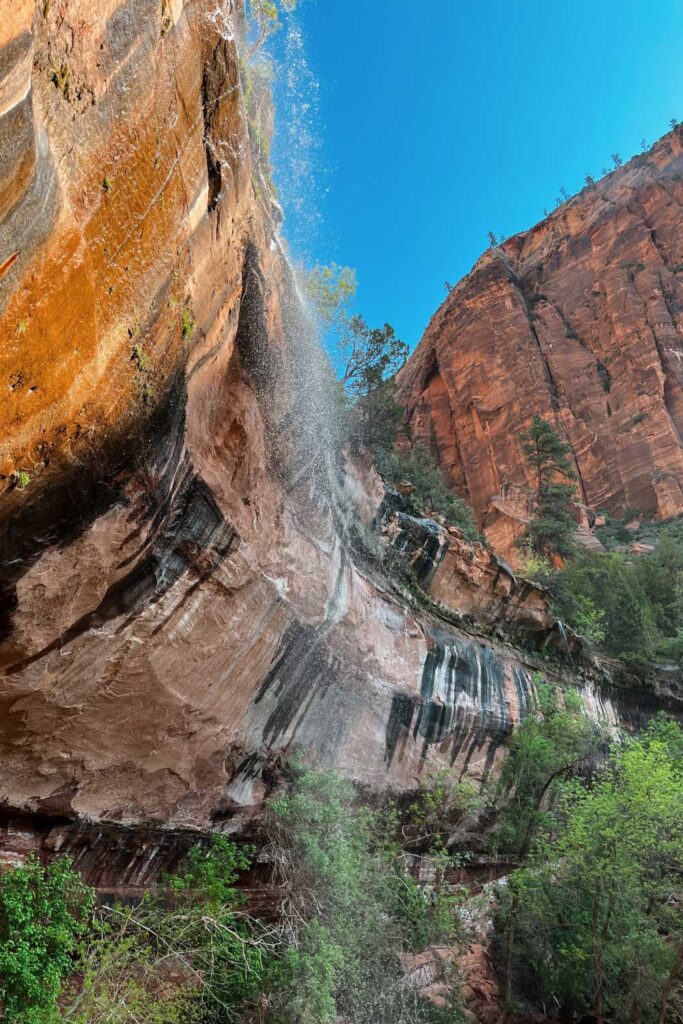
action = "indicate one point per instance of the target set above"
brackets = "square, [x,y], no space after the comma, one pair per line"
[190,587]
[577,320]
[180,604]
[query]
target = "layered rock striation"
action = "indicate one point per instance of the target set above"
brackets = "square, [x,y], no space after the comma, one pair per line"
[181,604]
[190,583]
[577,320]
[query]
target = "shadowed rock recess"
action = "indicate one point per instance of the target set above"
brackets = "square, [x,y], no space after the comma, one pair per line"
[181,606]
[579,321]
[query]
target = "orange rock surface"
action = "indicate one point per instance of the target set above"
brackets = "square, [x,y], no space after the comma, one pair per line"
[187,589]
[180,603]
[577,320]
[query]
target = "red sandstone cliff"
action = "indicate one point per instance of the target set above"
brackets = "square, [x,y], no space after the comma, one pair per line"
[180,603]
[577,320]
[182,599]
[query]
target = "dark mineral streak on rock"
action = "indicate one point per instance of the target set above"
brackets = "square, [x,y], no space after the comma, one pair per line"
[252,330]
[194,537]
[63,509]
[303,673]
[461,702]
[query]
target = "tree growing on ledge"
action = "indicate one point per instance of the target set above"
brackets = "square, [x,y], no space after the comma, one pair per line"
[265,16]
[551,531]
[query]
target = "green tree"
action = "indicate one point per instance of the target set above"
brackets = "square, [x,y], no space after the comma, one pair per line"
[546,452]
[367,359]
[330,289]
[554,742]
[552,529]
[265,15]
[45,913]
[372,355]
[598,930]
[349,907]
[610,583]
[660,575]
[375,418]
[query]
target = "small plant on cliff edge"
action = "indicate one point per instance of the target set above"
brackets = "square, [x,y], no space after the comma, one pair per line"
[60,75]
[421,470]
[187,322]
[22,479]
[265,15]
[44,915]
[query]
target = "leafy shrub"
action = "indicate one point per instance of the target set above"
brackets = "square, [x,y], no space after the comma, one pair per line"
[188,952]
[594,929]
[350,908]
[431,492]
[44,914]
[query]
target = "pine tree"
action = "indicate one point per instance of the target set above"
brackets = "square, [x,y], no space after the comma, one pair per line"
[552,529]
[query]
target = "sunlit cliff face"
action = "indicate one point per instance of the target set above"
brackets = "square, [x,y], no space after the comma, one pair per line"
[577,321]
[186,597]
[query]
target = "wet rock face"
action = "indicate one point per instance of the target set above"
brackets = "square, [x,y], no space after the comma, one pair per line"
[181,601]
[180,606]
[463,576]
[421,540]
[470,698]
[579,321]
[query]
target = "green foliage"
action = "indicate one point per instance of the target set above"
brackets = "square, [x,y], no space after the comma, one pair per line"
[545,451]
[202,915]
[371,358]
[365,406]
[44,915]
[140,358]
[187,322]
[373,420]
[435,811]
[330,289]
[22,479]
[597,929]
[551,531]
[368,359]
[636,601]
[431,493]
[265,15]
[189,952]
[350,908]
[372,355]
[129,974]
[304,980]
[553,742]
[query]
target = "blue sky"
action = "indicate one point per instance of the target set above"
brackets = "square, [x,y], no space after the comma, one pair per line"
[416,126]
